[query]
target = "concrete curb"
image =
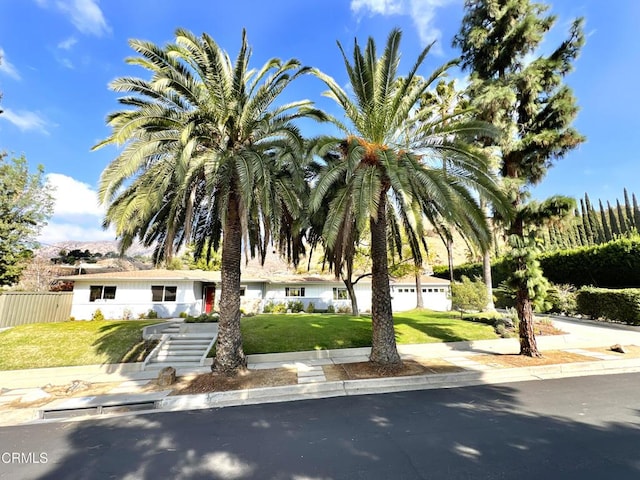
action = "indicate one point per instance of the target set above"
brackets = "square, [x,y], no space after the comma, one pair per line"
[394,384]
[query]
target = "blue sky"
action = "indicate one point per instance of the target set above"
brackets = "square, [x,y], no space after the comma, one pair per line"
[59,56]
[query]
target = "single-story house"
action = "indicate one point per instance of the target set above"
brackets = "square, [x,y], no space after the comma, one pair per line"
[172,292]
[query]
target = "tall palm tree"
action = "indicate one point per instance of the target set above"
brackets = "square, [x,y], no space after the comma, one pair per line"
[208,156]
[390,153]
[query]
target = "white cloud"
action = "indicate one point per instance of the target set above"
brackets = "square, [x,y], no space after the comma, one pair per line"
[55,232]
[85,15]
[380,7]
[68,43]
[73,198]
[25,120]
[6,67]
[422,12]
[76,212]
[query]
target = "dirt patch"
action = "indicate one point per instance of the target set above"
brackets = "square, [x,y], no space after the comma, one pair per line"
[213,382]
[362,370]
[631,351]
[552,357]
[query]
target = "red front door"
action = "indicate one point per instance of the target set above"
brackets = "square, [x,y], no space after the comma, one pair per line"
[209,298]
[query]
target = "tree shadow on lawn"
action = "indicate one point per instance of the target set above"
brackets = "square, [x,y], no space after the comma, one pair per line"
[121,342]
[433,328]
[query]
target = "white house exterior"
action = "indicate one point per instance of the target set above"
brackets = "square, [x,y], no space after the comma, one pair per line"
[172,292]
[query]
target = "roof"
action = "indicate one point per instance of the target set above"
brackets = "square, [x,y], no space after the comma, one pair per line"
[206,276]
[154,274]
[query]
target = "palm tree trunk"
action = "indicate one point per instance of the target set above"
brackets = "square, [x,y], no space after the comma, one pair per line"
[419,299]
[230,356]
[383,344]
[450,257]
[486,274]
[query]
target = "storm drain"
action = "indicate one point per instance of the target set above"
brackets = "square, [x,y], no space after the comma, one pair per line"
[99,410]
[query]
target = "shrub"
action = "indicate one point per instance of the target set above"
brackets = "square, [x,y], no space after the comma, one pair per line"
[343,309]
[331,309]
[311,307]
[98,315]
[183,314]
[127,314]
[621,305]
[203,318]
[615,264]
[562,299]
[469,295]
[295,306]
[271,307]
[151,314]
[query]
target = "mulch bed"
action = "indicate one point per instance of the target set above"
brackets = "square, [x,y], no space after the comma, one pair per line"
[214,382]
[551,357]
[361,370]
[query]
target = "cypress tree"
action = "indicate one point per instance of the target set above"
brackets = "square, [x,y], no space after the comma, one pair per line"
[529,103]
[636,212]
[629,210]
[605,224]
[594,219]
[586,224]
[615,225]
[622,219]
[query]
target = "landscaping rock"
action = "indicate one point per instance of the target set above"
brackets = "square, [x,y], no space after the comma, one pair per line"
[78,386]
[618,348]
[167,376]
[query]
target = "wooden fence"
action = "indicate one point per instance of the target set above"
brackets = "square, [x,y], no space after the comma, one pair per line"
[21,308]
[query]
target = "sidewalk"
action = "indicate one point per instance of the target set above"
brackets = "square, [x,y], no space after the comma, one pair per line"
[25,385]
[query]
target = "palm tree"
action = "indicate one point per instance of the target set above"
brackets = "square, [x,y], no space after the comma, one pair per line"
[390,157]
[209,156]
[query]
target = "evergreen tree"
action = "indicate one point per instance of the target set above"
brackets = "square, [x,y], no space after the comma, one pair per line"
[636,212]
[586,225]
[529,103]
[615,224]
[622,218]
[605,224]
[594,220]
[629,210]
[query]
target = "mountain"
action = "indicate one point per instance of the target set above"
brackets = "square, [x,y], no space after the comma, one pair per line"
[103,247]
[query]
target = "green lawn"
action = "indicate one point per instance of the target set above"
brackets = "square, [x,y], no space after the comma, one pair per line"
[72,343]
[272,333]
[101,342]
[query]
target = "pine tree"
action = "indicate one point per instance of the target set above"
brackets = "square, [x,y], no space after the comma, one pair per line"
[529,103]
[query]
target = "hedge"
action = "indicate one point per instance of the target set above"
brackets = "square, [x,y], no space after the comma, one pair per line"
[621,305]
[614,264]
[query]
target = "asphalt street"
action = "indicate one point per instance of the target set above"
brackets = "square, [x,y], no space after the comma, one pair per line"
[586,427]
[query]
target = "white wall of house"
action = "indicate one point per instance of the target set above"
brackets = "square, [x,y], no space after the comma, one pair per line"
[134,297]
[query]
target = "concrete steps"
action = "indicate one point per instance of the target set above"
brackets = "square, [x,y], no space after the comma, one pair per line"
[181,349]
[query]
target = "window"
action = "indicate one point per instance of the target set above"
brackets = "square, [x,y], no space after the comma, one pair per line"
[413,290]
[340,294]
[243,291]
[424,290]
[100,292]
[294,292]
[161,293]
